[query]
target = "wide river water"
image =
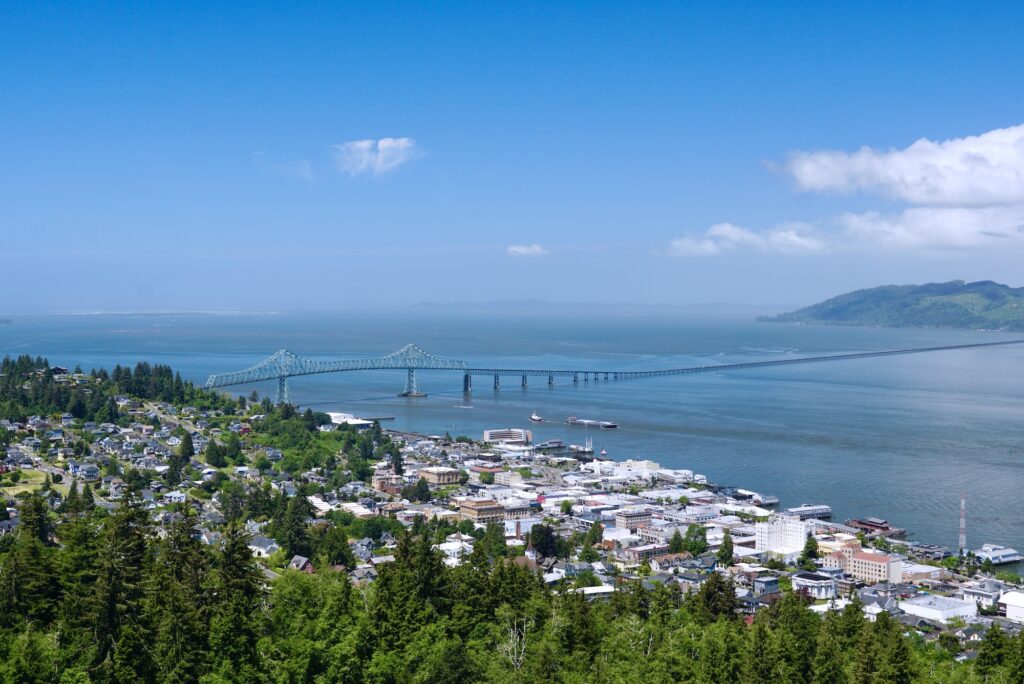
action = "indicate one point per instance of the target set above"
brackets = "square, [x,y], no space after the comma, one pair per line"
[895,437]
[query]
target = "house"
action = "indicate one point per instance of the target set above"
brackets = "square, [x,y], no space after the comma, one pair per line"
[262,547]
[986,592]
[88,472]
[814,585]
[765,584]
[302,564]
[175,497]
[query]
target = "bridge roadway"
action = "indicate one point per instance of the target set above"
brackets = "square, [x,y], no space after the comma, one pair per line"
[576,375]
[410,358]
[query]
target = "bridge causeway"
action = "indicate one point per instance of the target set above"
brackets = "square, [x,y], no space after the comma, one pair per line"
[410,358]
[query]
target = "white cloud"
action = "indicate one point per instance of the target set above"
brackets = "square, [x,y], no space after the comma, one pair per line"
[358,157]
[790,238]
[936,227]
[531,250]
[981,170]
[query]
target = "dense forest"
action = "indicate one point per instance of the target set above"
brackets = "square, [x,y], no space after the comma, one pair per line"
[97,596]
[89,594]
[30,386]
[955,304]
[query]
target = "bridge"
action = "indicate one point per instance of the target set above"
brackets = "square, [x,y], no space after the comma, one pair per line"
[410,358]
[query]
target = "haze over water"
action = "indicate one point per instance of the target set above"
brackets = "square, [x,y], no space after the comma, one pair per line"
[895,437]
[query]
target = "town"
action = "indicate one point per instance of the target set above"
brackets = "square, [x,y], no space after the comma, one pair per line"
[316,493]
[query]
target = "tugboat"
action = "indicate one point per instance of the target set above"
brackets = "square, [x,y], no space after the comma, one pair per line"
[536,418]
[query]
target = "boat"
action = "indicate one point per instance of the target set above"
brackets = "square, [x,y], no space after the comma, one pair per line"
[998,555]
[550,444]
[587,449]
[536,418]
[588,422]
[604,452]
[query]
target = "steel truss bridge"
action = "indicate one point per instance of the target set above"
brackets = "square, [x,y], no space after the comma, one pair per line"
[410,358]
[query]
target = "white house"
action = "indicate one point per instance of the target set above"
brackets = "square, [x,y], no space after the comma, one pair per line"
[1013,603]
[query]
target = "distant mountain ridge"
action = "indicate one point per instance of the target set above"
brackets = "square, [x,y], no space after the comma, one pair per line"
[956,304]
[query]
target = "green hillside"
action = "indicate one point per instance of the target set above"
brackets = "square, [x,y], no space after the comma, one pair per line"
[956,304]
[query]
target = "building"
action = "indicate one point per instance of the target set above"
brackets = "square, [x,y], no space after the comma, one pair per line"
[864,566]
[808,511]
[986,592]
[814,585]
[939,608]
[482,511]
[784,535]
[439,476]
[508,436]
[1012,603]
[632,518]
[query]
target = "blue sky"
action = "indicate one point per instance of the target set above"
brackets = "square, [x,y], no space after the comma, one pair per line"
[274,157]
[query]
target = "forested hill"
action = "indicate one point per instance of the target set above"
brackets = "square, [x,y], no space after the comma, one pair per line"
[956,304]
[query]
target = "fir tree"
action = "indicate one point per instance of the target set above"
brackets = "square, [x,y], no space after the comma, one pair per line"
[676,543]
[724,554]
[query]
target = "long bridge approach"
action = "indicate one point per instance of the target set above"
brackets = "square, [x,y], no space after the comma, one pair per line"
[410,358]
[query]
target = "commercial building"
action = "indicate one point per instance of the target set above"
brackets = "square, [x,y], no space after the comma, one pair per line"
[1012,603]
[632,518]
[814,585]
[482,511]
[864,566]
[439,476]
[939,608]
[784,535]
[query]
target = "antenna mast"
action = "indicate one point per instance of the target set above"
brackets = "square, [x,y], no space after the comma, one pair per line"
[963,523]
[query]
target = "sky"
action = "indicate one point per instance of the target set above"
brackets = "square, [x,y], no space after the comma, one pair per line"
[297,156]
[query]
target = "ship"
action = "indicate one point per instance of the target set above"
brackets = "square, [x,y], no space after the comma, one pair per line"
[536,418]
[550,444]
[587,422]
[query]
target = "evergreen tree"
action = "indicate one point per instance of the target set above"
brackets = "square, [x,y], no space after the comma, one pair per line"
[676,543]
[88,502]
[120,650]
[724,554]
[828,658]
[294,533]
[71,504]
[179,603]
[992,651]
[897,666]
[236,623]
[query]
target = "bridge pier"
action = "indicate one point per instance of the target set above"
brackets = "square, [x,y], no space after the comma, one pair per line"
[586,376]
[575,378]
[605,376]
[467,383]
[497,381]
[524,380]
[284,396]
[410,385]
[551,380]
